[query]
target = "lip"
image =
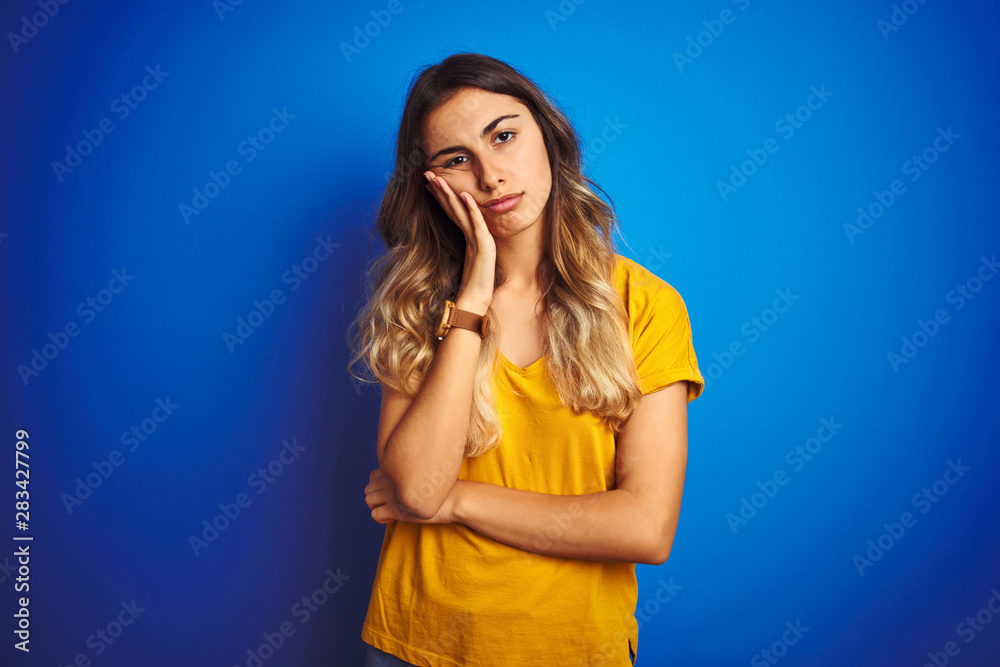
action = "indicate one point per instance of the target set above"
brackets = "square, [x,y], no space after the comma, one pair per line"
[504,203]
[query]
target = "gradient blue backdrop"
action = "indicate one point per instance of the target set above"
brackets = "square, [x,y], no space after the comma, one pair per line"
[671,98]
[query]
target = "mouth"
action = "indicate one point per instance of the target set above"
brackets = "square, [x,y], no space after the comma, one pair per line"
[504,203]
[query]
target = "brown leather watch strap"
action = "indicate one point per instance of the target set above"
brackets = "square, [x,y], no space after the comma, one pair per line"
[463,319]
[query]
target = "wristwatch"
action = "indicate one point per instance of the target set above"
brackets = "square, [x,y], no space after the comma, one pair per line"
[463,319]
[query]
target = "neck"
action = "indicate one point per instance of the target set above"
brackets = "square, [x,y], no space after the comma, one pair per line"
[520,255]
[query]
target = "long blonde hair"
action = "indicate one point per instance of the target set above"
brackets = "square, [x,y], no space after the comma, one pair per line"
[407,286]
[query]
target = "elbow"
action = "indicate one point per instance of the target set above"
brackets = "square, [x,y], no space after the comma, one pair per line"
[657,549]
[657,555]
[422,500]
[410,497]
[424,495]
[420,492]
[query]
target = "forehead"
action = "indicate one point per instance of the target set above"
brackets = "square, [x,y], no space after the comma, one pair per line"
[465,115]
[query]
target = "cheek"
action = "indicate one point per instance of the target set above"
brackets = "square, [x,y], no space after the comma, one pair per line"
[542,175]
[461,181]
[542,181]
[454,184]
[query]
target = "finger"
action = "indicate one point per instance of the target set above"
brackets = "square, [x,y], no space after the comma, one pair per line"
[433,186]
[470,203]
[459,209]
[442,199]
[480,231]
[374,500]
[385,514]
[376,490]
[475,214]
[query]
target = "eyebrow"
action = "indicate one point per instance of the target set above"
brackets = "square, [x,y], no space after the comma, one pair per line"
[486,130]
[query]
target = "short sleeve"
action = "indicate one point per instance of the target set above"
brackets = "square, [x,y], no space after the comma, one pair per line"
[662,341]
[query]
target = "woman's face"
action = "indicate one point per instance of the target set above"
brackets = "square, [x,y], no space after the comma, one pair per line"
[489,145]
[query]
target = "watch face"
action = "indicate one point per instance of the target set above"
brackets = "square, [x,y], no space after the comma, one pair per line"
[449,306]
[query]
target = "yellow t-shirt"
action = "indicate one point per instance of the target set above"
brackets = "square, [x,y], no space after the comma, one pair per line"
[446,595]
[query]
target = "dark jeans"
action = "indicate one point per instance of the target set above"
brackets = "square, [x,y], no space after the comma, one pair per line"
[378,658]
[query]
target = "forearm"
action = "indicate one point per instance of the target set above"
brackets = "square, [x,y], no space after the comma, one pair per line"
[606,526]
[423,455]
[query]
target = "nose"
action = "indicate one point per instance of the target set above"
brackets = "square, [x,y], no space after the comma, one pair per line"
[491,174]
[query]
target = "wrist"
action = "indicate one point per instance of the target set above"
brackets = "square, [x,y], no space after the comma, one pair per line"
[456,504]
[472,304]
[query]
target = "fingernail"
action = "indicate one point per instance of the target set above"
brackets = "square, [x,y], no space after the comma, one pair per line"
[428,175]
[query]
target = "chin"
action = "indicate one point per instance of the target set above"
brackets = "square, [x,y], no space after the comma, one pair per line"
[508,228]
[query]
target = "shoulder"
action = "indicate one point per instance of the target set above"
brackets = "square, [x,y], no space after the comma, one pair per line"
[660,329]
[643,291]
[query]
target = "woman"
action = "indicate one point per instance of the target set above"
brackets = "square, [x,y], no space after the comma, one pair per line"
[534,450]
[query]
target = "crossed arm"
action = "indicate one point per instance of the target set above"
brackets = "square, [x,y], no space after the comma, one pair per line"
[634,522]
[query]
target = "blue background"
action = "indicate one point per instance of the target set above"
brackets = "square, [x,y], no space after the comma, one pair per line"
[661,134]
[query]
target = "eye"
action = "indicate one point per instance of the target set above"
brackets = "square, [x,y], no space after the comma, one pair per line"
[452,163]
